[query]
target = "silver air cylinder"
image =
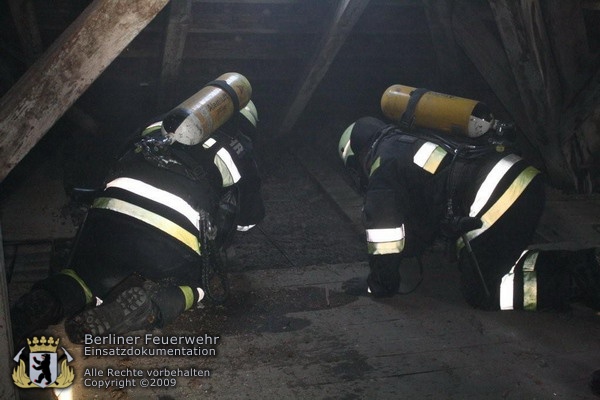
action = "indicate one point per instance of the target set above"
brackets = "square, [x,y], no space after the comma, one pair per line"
[194,120]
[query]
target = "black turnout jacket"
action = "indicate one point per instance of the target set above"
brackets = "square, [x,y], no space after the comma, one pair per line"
[415,187]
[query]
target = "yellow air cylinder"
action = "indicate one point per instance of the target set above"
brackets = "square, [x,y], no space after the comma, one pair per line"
[438,111]
[194,120]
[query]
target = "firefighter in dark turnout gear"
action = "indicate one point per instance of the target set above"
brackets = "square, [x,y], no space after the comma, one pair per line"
[419,186]
[162,221]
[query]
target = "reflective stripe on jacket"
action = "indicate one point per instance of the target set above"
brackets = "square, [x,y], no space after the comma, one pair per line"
[125,204]
[224,163]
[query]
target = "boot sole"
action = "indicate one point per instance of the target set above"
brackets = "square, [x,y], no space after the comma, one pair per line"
[131,310]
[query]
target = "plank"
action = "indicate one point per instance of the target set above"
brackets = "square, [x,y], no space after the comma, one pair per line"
[337,189]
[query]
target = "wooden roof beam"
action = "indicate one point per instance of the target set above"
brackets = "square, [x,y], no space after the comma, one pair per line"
[57,79]
[346,15]
[177,30]
[24,18]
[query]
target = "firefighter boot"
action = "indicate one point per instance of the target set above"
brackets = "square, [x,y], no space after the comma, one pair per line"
[373,285]
[384,280]
[171,301]
[356,287]
[132,310]
[585,271]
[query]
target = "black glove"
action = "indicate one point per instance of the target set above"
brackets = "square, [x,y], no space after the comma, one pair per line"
[455,227]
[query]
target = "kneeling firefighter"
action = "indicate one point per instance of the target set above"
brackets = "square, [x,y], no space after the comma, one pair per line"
[444,169]
[150,246]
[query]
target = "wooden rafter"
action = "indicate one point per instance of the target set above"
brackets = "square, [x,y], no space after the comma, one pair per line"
[346,15]
[23,15]
[177,30]
[57,79]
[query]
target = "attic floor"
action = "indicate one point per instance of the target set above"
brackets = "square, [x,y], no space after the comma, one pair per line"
[288,330]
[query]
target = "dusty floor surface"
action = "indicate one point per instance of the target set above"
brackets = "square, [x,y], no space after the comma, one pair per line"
[288,330]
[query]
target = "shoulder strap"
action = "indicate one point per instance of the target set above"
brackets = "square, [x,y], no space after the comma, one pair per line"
[194,168]
[383,133]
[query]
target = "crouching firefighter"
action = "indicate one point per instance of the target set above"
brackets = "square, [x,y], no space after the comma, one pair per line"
[422,182]
[150,246]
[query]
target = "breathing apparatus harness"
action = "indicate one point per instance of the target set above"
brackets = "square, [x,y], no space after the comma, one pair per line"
[453,225]
[157,150]
[495,141]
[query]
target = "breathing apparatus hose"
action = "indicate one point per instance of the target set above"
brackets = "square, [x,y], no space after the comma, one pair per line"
[455,224]
[211,263]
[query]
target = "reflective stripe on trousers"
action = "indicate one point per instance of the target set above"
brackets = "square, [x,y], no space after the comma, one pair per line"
[526,262]
[385,241]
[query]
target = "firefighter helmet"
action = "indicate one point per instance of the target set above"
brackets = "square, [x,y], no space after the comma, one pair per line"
[344,147]
[250,113]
